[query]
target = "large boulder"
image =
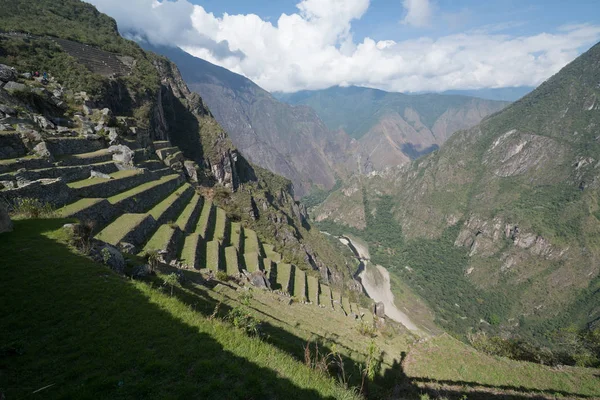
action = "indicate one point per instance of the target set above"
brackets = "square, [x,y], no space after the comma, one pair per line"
[41,150]
[15,87]
[7,74]
[379,310]
[5,222]
[122,154]
[113,258]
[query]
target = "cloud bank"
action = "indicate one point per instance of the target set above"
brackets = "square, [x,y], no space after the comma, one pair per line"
[314,47]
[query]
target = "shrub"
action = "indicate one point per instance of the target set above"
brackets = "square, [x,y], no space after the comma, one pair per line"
[366,329]
[153,259]
[29,208]
[81,236]
[222,276]
[243,320]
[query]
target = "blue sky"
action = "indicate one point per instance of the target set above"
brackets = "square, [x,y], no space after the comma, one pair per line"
[395,45]
[381,21]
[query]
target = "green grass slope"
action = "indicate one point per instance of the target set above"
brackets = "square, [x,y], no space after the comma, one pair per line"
[80,331]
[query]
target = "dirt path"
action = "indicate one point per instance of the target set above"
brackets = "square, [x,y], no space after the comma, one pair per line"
[380,291]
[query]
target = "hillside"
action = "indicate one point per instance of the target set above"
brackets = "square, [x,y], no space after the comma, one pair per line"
[147,258]
[505,214]
[393,128]
[290,141]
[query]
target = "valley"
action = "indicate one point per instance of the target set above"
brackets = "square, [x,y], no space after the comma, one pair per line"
[169,229]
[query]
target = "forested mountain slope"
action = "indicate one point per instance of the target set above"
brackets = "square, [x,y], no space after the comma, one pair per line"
[499,229]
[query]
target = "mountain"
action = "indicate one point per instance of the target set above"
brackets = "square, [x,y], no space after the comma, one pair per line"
[498,230]
[393,128]
[287,140]
[500,94]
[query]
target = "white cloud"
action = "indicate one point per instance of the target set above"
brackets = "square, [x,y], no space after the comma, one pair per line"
[418,12]
[314,48]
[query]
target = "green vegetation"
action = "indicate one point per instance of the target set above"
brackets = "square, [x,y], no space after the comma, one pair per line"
[146,344]
[26,208]
[72,20]
[319,195]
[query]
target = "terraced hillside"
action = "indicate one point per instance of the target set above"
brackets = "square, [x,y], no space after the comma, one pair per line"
[147,206]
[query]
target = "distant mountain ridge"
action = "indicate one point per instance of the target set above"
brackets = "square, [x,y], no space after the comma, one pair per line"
[311,138]
[393,128]
[506,214]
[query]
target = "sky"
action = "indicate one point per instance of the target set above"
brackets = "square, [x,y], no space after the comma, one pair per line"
[394,45]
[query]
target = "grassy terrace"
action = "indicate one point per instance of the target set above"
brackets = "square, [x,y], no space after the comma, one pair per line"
[161,238]
[251,244]
[312,284]
[236,235]
[204,223]
[78,206]
[252,262]
[231,261]
[284,274]
[269,251]
[221,226]
[299,284]
[162,207]
[141,188]
[80,331]
[9,161]
[325,296]
[190,253]
[213,256]
[116,231]
[186,219]
[95,181]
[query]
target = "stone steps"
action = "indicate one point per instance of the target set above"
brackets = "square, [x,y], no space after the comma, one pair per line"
[188,219]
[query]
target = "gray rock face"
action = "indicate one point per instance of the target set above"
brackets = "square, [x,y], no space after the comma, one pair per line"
[5,222]
[14,87]
[97,174]
[41,150]
[379,310]
[6,73]
[122,154]
[141,271]
[259,280]
[8,110]
[191,170]
[43,122]
[113,258]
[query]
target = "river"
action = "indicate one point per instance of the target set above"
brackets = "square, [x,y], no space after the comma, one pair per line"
[376,282]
